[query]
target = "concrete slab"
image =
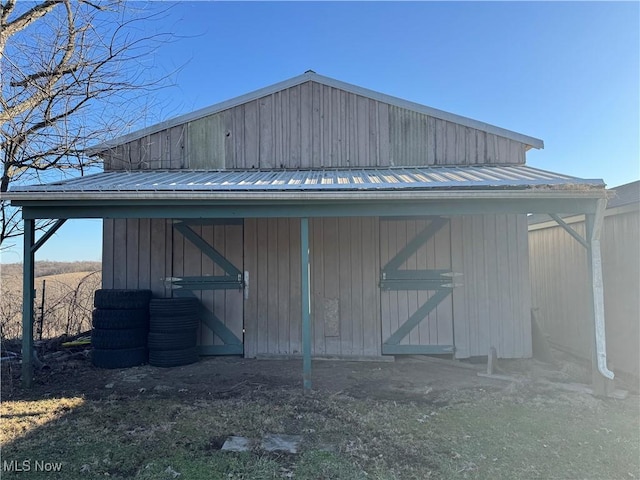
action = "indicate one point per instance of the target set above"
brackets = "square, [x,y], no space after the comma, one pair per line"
[236,444]
[281,443]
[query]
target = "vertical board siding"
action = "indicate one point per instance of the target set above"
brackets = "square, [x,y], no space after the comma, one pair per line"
[418,139]
[314,126]
[492,308]
[561,295]
[134,254]
[344,273]
[272,307]
[562,309]
[189,261]
[398,305]
[206,142]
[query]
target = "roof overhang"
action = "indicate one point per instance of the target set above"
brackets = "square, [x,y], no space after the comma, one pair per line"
[311,193]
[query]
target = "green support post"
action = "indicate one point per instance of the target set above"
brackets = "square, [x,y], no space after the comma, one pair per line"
[27,303]
[306,303]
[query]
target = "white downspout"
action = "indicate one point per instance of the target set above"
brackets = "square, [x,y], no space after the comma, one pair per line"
[598,290]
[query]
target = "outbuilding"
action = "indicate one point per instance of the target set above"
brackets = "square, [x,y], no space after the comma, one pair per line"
[559,281]
[318,218]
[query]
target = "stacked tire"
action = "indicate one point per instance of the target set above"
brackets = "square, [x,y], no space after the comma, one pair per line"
[120,328]
[173,331]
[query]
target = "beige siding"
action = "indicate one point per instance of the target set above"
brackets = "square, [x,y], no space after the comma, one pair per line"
[272,306]
[162,150]
[492,308]
[561,294]
[136,254]
[312,126]
[344,272]
[417,139]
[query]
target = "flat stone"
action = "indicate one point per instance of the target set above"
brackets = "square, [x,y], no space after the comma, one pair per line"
[236,444]
[281,443]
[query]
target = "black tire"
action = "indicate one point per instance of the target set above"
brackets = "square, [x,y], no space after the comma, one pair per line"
[124,358]
[173,358]
[119,339]
[174,307]
[173,341]
[114,299]
[120,319]
[173,324]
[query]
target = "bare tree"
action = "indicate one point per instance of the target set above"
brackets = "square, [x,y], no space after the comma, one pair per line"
[72,74]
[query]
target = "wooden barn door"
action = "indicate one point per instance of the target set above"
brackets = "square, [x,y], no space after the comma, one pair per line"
[416,283]
[208,264]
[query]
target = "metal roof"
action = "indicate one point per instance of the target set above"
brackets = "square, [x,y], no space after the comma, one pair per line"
[627,194]
[311,76]
[323,180]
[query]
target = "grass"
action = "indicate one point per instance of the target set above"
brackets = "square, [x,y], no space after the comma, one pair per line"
[493,437]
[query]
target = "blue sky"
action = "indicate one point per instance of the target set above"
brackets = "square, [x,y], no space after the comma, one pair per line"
[568,73]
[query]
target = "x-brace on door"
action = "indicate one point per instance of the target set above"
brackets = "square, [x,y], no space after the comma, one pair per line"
[211,264]
[416,281]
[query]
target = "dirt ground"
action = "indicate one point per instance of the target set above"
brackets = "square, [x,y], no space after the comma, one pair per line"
[421,379]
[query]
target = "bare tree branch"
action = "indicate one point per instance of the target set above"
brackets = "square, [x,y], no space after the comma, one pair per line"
[63,64]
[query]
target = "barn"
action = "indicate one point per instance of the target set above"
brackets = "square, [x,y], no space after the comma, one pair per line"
[318,218]
[559,280]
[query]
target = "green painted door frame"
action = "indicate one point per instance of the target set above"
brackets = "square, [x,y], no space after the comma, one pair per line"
[435,280]
[233,279]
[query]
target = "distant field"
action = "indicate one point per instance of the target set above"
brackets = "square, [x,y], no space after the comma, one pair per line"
[68,297]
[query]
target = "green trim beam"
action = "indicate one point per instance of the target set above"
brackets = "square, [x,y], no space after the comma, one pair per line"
[47,235]
[211,221]
[203,209]
[306,303]
[418,349]
[210,319]
[221,350]
[569,230]
[411,247]
[424,285]
[418,316]
[417,275]
[208,283]
[28,275]
[207,249]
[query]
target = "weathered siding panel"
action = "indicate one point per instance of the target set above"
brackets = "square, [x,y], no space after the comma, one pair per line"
[417,139]
[492,308]
[345,314]
[561,294]
[205,142]
[562,306]
[272,307]
[134,254]
[312,126]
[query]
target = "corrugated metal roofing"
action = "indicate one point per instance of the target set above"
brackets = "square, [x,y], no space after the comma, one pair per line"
[474,177]
[418,178]
[626,194]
